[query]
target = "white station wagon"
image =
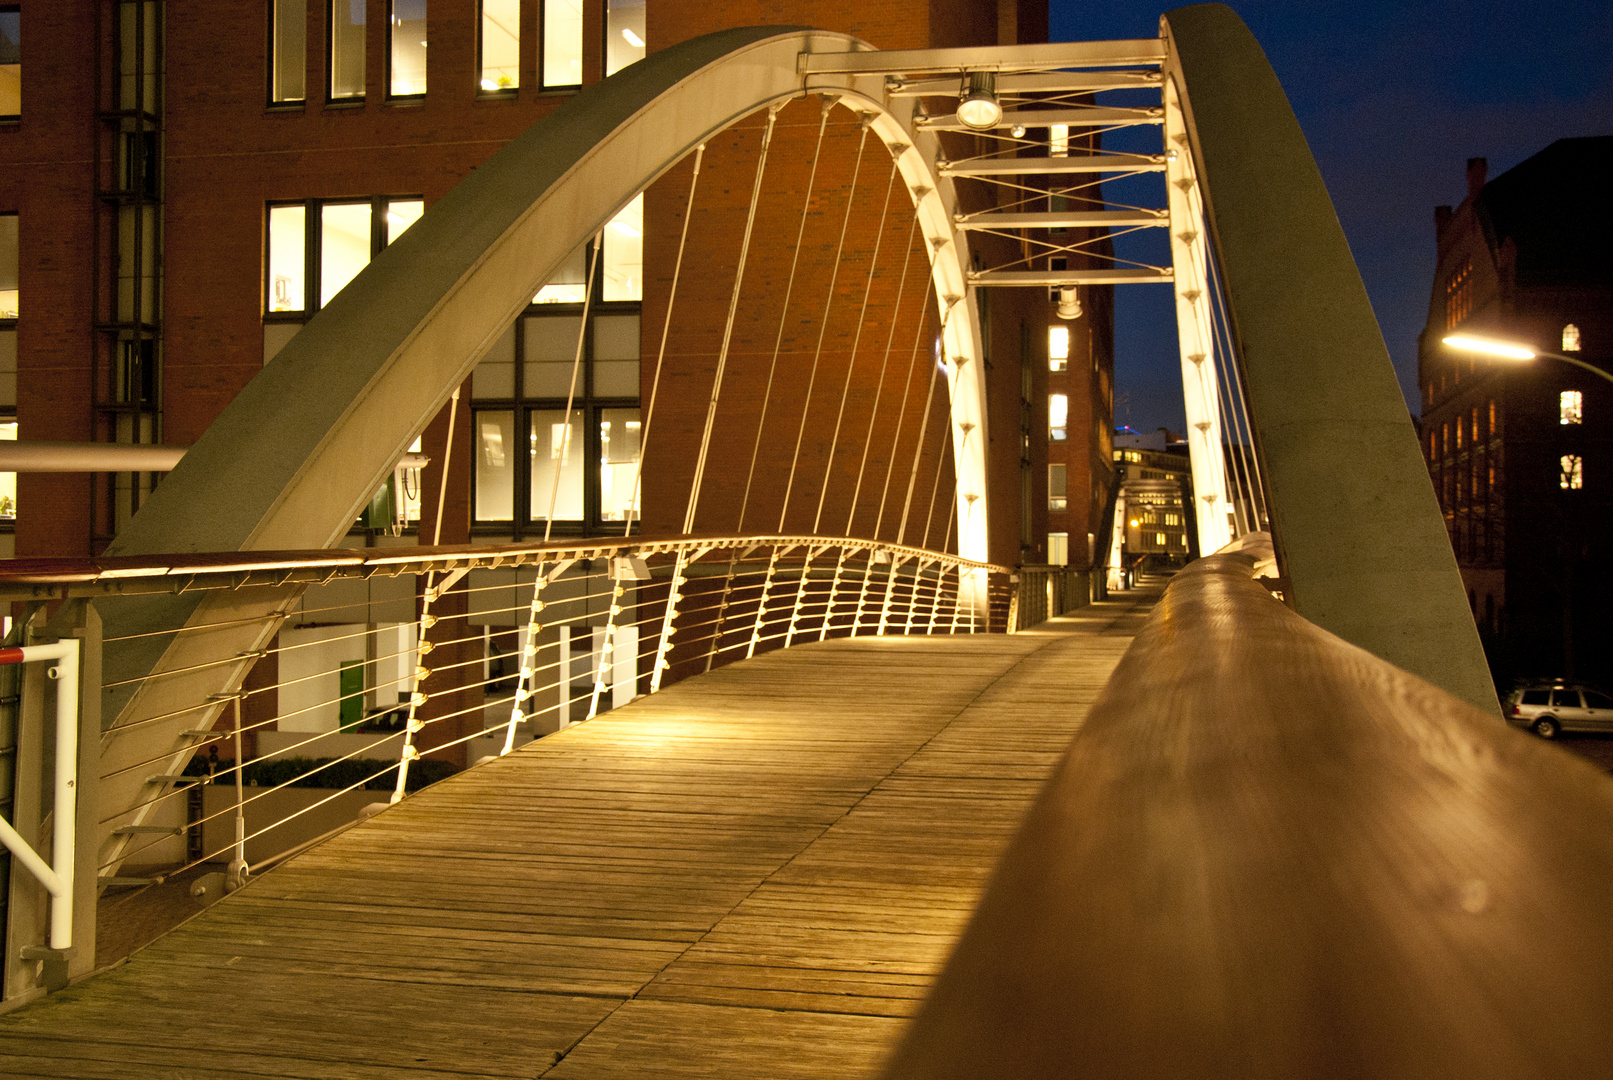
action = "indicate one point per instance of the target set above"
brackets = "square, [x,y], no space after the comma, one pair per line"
[1549,709]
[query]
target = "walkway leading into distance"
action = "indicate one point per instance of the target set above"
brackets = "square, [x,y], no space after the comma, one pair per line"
[754,873]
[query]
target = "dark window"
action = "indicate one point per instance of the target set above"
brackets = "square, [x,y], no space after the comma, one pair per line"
[1536,697]
[1593,700]
[1565,699]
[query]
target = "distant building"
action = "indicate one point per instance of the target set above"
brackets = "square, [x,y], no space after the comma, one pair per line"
[1151,511]
[1521,455]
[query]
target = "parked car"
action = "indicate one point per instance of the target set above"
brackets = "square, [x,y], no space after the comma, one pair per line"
[1550,708]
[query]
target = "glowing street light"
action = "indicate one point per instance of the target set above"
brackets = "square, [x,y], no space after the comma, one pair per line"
[1512,350]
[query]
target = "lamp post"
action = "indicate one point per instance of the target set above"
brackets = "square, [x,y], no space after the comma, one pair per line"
[1512,350]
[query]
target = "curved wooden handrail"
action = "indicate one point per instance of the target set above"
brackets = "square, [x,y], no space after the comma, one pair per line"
[1271,854]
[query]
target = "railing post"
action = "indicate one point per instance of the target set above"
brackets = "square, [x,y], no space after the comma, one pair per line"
[890,590]
[800,596]
[528,662]
[722,609]
[664,645]
[761,604]
[834,589]
[236,874]
[608,643]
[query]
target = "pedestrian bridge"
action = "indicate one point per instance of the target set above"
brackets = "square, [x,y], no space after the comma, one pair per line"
[754,872]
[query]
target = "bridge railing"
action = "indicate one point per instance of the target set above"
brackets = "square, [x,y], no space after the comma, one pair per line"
[388,668]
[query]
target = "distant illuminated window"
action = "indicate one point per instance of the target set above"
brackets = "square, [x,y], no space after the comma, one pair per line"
[406,48]
[10,62]
[501,45]
[1058,487]
[345,35]
[624,34]
[1058,549]
[1159,538]
[1058,140]
[1571,472]
[562,44]
[1058,348]
[1458,296]
[1571,407]
[288,62]
[8,481]
[1570,338]
[623,258]
[8,266]
[1058,416]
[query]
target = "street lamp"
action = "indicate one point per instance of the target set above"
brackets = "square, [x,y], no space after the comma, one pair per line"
[1512,350]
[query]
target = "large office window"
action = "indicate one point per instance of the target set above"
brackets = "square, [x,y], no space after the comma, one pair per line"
[500,45]
[562,44]
[1058,416]
[315,248]
[10,62]
[576,467]
[288,51]
[406,48]
[622,262]
[346,41]
[8,266]
[624,34]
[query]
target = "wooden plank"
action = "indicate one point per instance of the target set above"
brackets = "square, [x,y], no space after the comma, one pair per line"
[752,873]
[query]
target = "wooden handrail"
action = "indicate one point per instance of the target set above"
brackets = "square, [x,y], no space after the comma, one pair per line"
[1269,853]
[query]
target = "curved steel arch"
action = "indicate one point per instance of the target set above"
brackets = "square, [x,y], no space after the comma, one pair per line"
[1358,530]
[293,459]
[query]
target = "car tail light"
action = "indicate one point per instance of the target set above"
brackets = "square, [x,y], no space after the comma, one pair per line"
[1516,711]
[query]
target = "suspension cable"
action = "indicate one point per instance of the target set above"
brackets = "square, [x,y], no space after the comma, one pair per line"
[901,412]
[784,311]
[918,448]
[728,328]
[571,393]
[655,382]
[823,328]
[879,387]
[851,363]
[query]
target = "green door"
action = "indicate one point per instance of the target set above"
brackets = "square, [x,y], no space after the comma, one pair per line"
[352,688]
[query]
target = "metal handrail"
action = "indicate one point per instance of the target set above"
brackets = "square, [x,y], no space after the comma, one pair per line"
[33,579]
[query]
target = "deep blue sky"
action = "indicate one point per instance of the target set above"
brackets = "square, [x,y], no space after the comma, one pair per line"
[1394,98]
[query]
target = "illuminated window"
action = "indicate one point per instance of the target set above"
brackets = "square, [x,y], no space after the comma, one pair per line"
[8,266]
[1159,538]
[1571,407]
[557,466]
[1570,338]
[288,63]
[1458,296]
[1058,416]
[622,262]
[624,34]
[501,45]
[406,48]
[341,237]
[619,434]
[10,62]
[562,44]
[8,481]
[495,465]
[1058,140]
[346,39]
[1058,549]
[1571,472]
[1058,348]
[1058,487]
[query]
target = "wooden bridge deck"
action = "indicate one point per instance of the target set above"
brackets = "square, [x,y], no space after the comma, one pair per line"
[753,873]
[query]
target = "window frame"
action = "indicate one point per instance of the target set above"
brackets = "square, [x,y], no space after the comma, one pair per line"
[587,401]
[16,117]
[481,55]
[332,100]
[544,86]
[313,242]
[272,53]
[391,31]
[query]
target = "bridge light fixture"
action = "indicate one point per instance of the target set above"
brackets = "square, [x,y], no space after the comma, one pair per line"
[1506,350]
[978,107]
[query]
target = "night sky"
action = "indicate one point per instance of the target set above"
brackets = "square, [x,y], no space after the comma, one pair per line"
[1394,98]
